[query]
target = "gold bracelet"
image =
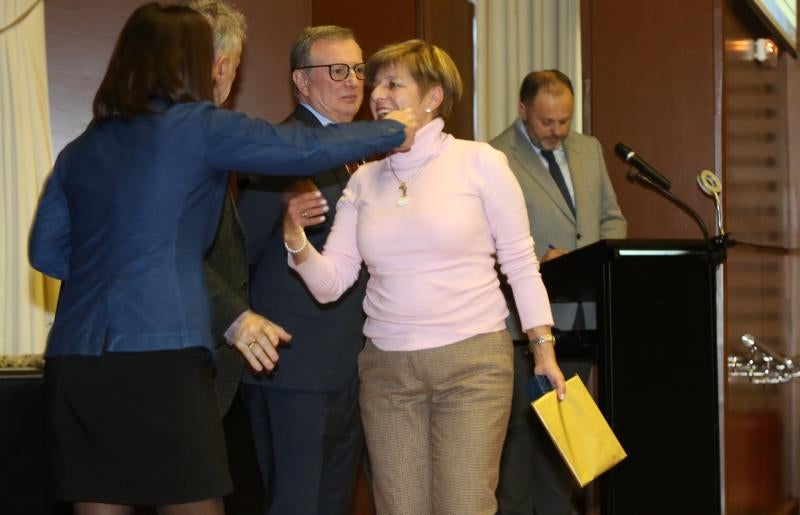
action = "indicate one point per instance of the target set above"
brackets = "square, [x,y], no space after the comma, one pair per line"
[302,247]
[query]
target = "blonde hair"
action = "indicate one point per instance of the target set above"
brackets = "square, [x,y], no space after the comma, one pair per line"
[428,64]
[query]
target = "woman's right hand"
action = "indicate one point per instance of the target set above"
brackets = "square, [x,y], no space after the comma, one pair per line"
[407,118]
[305,206]
[304,210]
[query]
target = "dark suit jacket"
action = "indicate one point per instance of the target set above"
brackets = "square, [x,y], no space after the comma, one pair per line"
[131,207]
[228,292]
[326,338]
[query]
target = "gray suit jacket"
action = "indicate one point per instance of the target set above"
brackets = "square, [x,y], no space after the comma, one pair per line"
[226,273]
[552,222]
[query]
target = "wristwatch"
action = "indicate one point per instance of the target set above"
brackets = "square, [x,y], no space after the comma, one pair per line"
[539,340]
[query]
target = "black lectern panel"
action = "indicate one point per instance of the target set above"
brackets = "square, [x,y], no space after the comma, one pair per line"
[657,368]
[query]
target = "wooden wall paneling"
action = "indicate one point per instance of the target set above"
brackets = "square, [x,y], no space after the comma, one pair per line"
[374,28]
[651,69]
[263,85]
[792,456]
[81,34]
[448,24]
[762,172]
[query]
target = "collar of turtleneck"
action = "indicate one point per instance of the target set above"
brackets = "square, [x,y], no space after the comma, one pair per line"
[428,142]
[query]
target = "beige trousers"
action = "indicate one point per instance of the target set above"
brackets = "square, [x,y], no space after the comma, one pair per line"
[435,421]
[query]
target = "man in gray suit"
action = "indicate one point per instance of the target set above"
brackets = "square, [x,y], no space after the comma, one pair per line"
[234,326]
[571,203]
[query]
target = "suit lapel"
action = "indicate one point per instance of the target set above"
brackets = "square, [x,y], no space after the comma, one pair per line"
[307,118]
[538,172]
[234,213]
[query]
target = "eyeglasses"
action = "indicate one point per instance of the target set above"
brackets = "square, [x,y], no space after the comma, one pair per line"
[340,71]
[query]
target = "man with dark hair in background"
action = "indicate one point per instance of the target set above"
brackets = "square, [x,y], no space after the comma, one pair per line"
[571,203]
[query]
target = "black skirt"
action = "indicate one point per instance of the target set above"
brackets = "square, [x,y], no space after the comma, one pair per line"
[136,428]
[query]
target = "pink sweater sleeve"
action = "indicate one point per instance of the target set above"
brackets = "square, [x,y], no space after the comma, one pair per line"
[505,210]
[329,275]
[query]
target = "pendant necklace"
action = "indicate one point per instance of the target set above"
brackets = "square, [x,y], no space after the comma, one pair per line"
[404,197]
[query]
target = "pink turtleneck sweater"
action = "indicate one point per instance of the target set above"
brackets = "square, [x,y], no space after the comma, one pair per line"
[431,262]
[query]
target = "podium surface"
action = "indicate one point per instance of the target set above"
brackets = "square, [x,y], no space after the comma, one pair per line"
[657,367]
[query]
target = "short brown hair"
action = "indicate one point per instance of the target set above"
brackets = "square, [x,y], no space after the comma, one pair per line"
[537,80]
[163,52]
[428,64]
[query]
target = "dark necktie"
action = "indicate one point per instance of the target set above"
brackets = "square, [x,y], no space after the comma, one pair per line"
[343,173]
[555,172]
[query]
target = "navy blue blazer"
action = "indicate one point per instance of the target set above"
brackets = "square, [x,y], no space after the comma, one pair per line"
[326,338]
[131,206]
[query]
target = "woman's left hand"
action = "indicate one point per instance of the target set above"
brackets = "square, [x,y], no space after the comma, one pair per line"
[544,358]
[548,366]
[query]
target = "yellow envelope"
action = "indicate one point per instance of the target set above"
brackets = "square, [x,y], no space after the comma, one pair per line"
[580,431]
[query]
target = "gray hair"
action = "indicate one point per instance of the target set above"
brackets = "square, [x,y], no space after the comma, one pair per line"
[227,23]
[301,49]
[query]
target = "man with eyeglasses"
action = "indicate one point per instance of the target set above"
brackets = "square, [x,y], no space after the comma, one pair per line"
[304,416]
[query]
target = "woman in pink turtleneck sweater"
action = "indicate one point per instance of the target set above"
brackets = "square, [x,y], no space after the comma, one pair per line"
[436,372]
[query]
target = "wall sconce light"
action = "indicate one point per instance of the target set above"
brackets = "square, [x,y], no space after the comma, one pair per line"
[763,50]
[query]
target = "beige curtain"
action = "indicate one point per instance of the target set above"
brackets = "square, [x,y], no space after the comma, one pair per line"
[26,297]
[515,37]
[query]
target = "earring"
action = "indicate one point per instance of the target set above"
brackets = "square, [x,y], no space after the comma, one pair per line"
[427,109]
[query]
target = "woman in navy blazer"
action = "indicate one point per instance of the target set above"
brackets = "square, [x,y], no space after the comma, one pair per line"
[126,216]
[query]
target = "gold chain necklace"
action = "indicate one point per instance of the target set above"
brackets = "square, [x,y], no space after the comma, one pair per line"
[404,197]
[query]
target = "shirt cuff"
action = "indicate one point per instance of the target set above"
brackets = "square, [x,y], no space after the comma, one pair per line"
[230,333]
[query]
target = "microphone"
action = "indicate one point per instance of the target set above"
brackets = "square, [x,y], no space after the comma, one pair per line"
[630,157]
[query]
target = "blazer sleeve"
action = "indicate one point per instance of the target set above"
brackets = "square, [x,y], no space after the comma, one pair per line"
[49,246]
[226,297]
[226,304]
[236,142]
[261,212]
[612,223]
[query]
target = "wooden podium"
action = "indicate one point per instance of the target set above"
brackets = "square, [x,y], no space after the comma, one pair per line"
[658,367]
